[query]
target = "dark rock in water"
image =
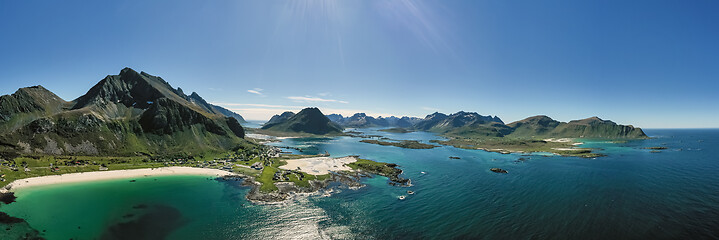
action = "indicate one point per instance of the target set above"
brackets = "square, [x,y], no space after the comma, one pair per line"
[7,219]
[157,223]
[656,148]
[7,198]
[140,206]
[498,170]
[454,158]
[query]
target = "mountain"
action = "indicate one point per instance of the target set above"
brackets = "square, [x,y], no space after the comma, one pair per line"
[279,118]
[439,122]
[361,120]
[473,125]
[28,104]
[122,114]
[335,117]
[196,99]
[229,113]
[594,127]
[534,126]
[309,120]
[406,122]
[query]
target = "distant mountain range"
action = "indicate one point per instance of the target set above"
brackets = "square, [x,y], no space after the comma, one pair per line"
[309,120]
[361,120]
[471,124]
[125,114]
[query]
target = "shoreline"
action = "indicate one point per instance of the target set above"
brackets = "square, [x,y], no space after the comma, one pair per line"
[110,175]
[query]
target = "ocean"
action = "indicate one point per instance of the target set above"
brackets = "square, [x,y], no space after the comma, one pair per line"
[632,193]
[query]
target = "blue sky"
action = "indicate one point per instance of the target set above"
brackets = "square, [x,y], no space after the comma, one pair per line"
[647,63]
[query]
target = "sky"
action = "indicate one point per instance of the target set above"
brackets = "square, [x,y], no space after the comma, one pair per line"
[652,64]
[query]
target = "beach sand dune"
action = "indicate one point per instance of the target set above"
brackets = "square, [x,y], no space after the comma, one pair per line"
[319,165]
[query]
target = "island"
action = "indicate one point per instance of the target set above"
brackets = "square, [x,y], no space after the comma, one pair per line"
[533,134]
[396,130]
[411,144]
[309,122]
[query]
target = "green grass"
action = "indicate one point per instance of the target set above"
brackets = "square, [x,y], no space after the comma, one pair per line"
[268,184]
[384,169]
[40,166]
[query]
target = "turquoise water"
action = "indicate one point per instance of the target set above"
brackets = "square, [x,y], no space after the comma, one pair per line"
[630,194]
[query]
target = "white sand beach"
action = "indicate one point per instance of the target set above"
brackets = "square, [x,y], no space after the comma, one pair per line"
[559,140]
[116,174]
[319,165]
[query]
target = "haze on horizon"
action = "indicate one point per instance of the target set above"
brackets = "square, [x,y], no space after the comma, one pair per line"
[652,64]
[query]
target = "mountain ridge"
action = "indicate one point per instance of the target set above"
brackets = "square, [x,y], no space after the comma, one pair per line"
[309,120]
[122,114]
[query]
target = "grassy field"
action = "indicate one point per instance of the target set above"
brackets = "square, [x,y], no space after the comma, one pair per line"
[268,184]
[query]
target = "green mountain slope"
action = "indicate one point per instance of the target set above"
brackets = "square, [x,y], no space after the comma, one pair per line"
[26,105]
[278,119]
[123,114]
[594,127]
[462,123]
[473,125]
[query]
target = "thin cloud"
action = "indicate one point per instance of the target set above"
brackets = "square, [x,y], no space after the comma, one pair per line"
[314,99]
[257,91]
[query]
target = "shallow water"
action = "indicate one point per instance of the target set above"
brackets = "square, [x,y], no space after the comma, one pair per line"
[631,193]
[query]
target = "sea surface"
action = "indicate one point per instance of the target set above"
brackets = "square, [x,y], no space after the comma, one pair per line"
[630,194]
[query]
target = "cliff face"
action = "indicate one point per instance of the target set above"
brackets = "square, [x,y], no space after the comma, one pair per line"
[309,120]
[122,114]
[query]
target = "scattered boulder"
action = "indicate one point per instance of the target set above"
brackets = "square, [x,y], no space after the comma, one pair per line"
[498,170]
[7,197]
[656,148]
